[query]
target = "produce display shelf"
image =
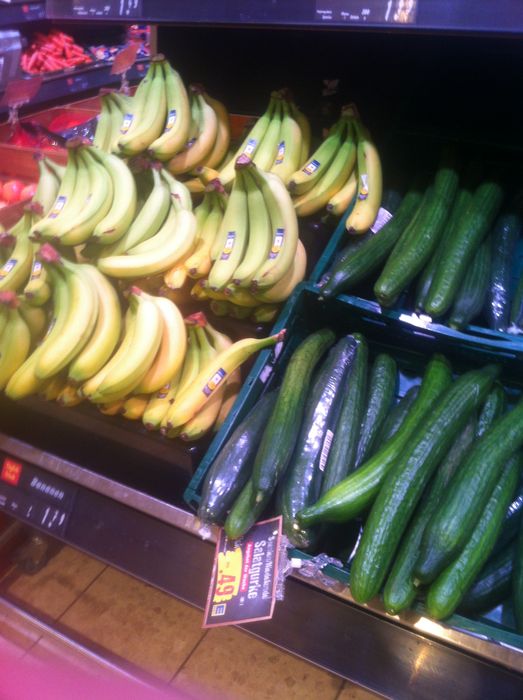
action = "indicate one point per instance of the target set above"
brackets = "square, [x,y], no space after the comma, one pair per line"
[14,14]
[159,543]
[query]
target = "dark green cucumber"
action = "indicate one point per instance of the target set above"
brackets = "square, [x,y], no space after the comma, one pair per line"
[382,390]
[492,585]
[516,309]
[462,201]
[280,435]
[455,260]
[446,592]
[507,230]
[356,492]
[400,591]
[455,520]
[512,521]
[471,296]
[517,582]
[404,485]
[301,485]
[231,469]
[403,267]
[397,415]
[369,256]
[493,407]
[245,512]
[345,432]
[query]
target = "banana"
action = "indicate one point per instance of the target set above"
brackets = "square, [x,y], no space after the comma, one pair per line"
[223,133]
[102,134]
[211,377]
[284,288]
[3,318]
[36,320]
[305,129]
[178,190]
[81,319]
[98,203]
[15,272]
[122,210]
[164,250]
[266,313]
[151,120]
[171,352]
[112,408]
[232,389]
[336,174]
[116,115]
[239,312]
[57,169]
[196,152]
[53,387]
[69,396]
[46,190]
[220,341]
[260,234]
[304,179]
[14,342]
[130,369]
[284,230]
[288,155]
[240,297]
[122,101]
[137,105]
[368,201]
[148,220]
[37,291]
[106,332]
[220,308]
[267,151]
[248,146]
[199,263]
[178,123]
[233,235]
[134,407]
[339,202]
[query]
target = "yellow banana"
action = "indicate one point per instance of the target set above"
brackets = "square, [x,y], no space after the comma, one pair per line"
[211,377]
[284,288]
[106,332]
[232,389]
[260,234]
[81,318]
[178,123]
[37,291]
[196,151]
[266,313]
[46,190]
[288,155]
[240,296]
[199,263]
[56,168]
[239,312]
[284,230]
[3,318]
[339,202]
[220,341]
[137,104]
[305,129]
[69,396]
[134,407]
[111,408]
[223,133]
[178,190]
[370,186]
[304,179]
[53,387]
[36,320]
[102,134]
[14,342]
[116,116]
[15,272]
[267,151]
[171,352]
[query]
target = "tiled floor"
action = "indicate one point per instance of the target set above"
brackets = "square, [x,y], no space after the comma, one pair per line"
[148,634]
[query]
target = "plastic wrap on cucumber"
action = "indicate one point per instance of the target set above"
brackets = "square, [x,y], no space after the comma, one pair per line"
[302,481]
[231,469]
[507,230]
[397,415]
[470,298]
[516,309]
[493,583]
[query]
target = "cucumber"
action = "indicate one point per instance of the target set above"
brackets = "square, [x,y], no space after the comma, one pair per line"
[472,295]
[455,520]
[456,258]
[504,238]
[516,309]
[280,435]
[245,512]
[493,584]
[446,592]
[231,469]
[462,201]
[517,582]
[346,431]
[382,390]
[493,407]
[397,415]
[302,481]
[510,527]
[400,591]
[355,493]
[405,483]
[374,250]
[403,267]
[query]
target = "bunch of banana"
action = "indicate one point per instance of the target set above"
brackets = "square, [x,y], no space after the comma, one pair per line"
[278,142]
[114,107]
[238,303]
[15,337]
[345,164]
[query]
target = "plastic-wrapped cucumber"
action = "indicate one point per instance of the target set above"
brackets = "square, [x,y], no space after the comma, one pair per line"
[511,523]
[516,310]
[397,415]
[517,582]
[493,584]
[472,294]
[504,238]
[302,481]
[346,425]
[231,469]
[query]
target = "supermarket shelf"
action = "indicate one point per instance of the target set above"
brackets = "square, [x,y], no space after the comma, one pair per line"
[320,622]
[484,16]
[11,14]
